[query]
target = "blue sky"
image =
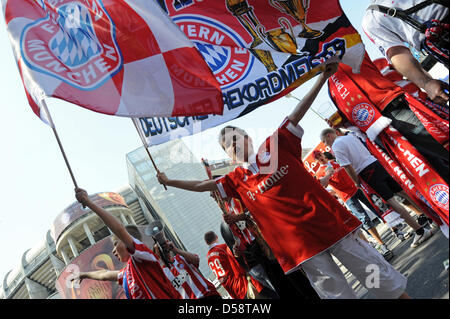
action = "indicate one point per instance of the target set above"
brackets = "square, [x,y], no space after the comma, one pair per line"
[35,185]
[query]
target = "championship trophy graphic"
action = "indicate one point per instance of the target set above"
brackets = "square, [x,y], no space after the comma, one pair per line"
[298,10]
[244,13]
[279,39]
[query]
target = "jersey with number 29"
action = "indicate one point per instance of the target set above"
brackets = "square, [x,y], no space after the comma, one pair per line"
[227,270]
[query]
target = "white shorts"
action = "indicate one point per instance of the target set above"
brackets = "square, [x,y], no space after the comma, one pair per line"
[363,261]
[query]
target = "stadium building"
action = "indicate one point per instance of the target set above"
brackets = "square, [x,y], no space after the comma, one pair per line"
[77,240]
[188,214]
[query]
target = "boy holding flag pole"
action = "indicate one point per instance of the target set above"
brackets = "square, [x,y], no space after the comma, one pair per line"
[287,202]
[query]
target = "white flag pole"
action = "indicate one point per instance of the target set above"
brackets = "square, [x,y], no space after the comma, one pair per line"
[289,95]
[44,106]
[52,125]
[144,142]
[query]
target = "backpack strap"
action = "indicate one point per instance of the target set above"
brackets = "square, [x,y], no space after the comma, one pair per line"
[405,14]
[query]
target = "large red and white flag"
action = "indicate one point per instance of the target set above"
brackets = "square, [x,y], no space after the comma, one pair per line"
[258,50]
[117,57]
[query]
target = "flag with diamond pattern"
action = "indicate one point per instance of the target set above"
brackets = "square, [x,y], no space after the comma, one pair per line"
[118,57]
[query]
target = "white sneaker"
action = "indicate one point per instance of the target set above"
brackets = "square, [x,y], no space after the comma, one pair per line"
[419,239]
[409,234]
[400,235]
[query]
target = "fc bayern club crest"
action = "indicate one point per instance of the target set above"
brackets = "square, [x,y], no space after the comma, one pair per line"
[439,195]
[74,41]
[363,114]
[221,47]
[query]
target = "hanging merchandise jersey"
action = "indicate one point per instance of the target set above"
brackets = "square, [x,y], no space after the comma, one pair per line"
[379,89]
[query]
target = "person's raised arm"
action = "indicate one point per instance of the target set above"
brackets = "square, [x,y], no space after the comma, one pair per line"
[304,105]
[194,186]
[102,275]
[190,257]
[404,62]
[110,221]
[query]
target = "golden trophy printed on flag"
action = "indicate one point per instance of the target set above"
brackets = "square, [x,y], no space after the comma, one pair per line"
[244,13]
[278,39]
[297,9]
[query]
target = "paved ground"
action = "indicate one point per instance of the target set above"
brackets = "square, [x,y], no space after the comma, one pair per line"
[423,266]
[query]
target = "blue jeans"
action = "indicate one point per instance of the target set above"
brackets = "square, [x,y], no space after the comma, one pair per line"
[354,204]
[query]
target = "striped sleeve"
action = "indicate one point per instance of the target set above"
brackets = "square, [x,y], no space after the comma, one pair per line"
[142,252]
[227,186]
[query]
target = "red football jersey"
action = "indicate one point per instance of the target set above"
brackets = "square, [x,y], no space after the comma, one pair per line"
[341,182]
[296,215]
[188,280]
[380,90]
[390,73]
[143,277]
[227,270]
[241,232]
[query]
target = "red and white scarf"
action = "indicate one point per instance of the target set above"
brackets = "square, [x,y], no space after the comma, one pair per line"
[404,163]
[435,125]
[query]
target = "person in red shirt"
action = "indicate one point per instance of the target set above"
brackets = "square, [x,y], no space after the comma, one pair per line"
[258,259]
[142,277]
[183,272]
[331,173]
[301,222]
[226,268]
[245,246]
[236,219]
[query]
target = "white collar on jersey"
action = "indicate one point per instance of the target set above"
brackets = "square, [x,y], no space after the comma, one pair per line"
[213,245]
[252,165]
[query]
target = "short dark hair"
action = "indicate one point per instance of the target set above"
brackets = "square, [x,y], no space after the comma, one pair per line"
[328,156]
[327,131]
[133,230]
[227,128]
[210,237]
